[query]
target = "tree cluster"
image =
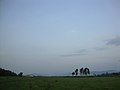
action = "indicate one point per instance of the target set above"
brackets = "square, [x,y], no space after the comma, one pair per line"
[4,72]
[109,74]
[81,71]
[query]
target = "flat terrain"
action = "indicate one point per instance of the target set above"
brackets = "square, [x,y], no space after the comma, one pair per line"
[59,83]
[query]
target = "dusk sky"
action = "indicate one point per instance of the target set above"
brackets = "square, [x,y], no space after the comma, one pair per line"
[51,37]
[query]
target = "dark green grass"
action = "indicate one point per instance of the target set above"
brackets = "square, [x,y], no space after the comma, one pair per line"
[59,83]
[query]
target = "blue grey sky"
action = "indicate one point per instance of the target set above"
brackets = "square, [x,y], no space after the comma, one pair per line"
[52,37]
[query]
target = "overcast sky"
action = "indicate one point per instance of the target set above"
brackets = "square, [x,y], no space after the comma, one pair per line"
[57,36]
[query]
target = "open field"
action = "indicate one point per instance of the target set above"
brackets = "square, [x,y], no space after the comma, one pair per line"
[59,83]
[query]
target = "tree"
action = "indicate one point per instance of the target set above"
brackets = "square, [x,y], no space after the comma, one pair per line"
[86,71]
[81,71]
[73,73]
[76,72]
[4,72]
[20,74]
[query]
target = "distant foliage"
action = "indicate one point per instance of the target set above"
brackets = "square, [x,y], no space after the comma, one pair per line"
[76,72]
[109,74]
[20,74]
[73,73]
[82,71]
[4,72]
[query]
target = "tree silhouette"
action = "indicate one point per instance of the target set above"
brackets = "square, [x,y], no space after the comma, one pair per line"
[20,74]
[81,71]
[4,72]
[86,71]
[76,72]
[73,73]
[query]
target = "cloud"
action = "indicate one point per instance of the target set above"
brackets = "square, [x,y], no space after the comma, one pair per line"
[70,55]
[81,51]
[76,53]
[99,49]
[114,41]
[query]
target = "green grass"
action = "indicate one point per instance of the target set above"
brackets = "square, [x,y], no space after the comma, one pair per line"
[59,83]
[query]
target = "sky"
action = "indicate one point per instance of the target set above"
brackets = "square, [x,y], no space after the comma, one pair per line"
[53,37]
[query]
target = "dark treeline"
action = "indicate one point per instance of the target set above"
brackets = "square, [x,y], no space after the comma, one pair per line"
[109,74]
[4,72]
[82,71]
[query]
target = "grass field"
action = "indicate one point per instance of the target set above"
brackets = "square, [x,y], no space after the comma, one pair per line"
[59,83]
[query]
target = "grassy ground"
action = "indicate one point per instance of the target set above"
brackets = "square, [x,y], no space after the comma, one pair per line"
[59,83]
